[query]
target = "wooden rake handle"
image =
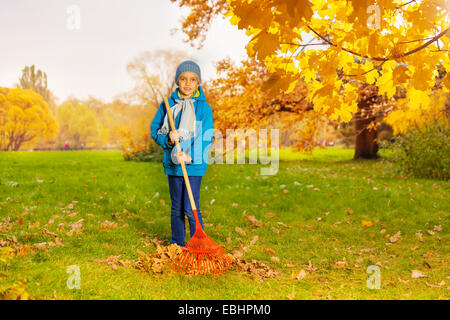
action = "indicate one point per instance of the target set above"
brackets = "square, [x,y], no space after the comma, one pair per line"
[183,166]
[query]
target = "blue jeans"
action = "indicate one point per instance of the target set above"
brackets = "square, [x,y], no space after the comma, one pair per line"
[181,206]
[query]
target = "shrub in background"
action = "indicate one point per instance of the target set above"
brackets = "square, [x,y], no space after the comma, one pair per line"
[421,152]
[142,148]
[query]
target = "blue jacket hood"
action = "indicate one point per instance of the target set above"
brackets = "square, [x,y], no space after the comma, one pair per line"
[202,96]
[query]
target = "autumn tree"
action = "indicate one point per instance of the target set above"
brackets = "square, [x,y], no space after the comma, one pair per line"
[24,118]
[118,116]
[78,124]
[240,101]
[153,73]
[36,80]
[363,53]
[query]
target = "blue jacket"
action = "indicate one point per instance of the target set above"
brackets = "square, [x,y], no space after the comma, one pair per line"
[197,147]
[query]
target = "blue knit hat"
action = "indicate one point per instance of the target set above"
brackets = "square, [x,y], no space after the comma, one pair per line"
[188,66]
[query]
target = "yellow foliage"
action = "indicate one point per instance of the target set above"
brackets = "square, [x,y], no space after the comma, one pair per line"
[416,110]
[24,117]
[352,36]
[79,124]
[383,32]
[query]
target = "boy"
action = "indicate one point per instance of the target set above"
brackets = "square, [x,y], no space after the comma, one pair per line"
[193,120]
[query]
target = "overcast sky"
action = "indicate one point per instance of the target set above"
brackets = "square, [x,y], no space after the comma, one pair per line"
[92,60]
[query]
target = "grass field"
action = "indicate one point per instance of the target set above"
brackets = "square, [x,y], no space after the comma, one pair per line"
[323,213]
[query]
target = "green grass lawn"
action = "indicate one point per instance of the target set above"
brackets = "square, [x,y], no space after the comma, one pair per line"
[337,217]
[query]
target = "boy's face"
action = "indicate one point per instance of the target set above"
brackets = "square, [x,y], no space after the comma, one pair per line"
[188,83]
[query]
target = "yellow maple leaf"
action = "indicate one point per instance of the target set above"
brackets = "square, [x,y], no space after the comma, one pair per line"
[400,74]
[446,81]
[265,44]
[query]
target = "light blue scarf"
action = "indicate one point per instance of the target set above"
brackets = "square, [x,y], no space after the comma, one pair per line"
[186,128]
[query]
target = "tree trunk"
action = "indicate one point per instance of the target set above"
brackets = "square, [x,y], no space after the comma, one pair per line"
[365,144]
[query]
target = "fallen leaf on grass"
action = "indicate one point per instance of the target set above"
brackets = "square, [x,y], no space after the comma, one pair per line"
[240,231]
[291,296]
[395,237]
[277,231]
[341,264]
[368,249]
[420,236]
[23,250]
[41,246]
[417,274]
[402,281]
[34,225]
[240,252]
[311,268]
[366,224]
[76,227]
[47,232]
[6,225]
[298,275]
[253,220]
[255,238]
[270,251]
[107,225]
[255,268]
[113,261]
[157,242]
[440,284]
[275,259]
[284,225]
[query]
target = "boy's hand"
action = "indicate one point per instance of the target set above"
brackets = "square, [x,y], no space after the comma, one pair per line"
[173,137]
[183,156]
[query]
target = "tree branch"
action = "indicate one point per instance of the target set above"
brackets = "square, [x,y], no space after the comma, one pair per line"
[379,58]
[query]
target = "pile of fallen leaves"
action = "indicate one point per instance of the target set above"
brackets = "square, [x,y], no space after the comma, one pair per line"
[254,267]
[160,260]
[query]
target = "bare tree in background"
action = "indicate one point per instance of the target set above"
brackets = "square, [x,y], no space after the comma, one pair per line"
[154,74]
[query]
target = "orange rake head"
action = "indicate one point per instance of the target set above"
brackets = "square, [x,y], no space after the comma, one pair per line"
[201,256]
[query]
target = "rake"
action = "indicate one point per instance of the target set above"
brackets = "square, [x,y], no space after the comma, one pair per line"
[201,255]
